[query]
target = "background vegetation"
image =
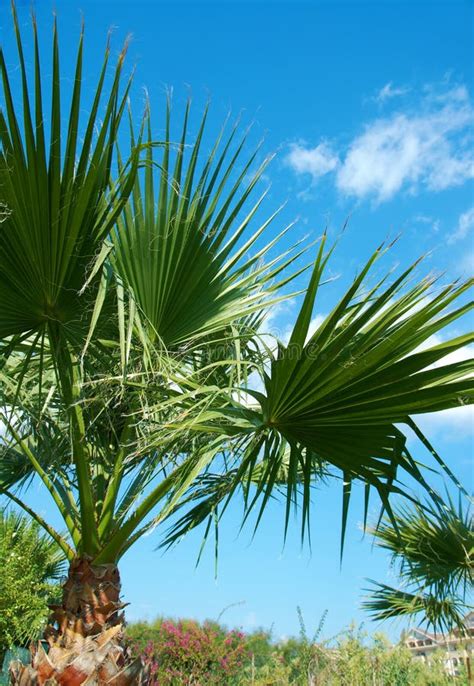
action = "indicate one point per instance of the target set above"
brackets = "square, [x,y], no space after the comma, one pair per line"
[185,652]
[30,566]
[188,652]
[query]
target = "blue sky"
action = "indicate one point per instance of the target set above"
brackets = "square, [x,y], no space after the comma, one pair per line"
[369,108]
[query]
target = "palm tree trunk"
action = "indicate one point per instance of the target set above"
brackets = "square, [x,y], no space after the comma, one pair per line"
[85,635]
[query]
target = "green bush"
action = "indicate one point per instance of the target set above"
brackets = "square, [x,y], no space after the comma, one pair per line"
[30,565]
[186,652]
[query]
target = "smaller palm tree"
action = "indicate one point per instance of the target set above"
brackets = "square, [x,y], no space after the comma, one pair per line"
[434,552]
[31,564]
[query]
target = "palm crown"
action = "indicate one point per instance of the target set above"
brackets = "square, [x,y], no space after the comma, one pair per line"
[433,549]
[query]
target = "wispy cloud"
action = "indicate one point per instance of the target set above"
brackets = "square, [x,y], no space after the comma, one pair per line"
[316,161]
[428,147]
[453,425]
[464,227]
[390,91]
[430,222]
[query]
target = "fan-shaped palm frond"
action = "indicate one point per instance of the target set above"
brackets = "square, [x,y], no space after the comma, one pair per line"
[58,206]
[340,394]
[181,249]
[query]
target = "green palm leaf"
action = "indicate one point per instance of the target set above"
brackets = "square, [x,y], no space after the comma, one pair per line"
[58,206]
[442,614]
[433,551]
[181,254]
[340,394]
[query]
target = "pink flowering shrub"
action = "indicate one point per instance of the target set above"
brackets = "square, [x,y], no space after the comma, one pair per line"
[186,652]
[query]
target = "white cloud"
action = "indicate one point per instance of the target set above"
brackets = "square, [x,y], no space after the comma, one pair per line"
[453,425]
[409,151]
[457,423]
[314,324]
[459,355]
[430,222]
[316,161]
[426,148]
[464,227]
[390,91]
[457,93]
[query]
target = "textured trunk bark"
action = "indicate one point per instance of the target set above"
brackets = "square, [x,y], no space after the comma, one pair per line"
[85,636]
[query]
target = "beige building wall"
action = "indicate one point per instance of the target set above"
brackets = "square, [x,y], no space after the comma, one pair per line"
[458,650]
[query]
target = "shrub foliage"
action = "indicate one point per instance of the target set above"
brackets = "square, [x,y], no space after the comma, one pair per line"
[187,653]
[30,566]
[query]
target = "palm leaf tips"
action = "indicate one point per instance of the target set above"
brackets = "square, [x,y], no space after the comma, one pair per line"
[57,200]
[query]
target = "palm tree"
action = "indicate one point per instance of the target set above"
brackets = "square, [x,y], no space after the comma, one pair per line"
[133,307]
[433,550]
[31,565]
